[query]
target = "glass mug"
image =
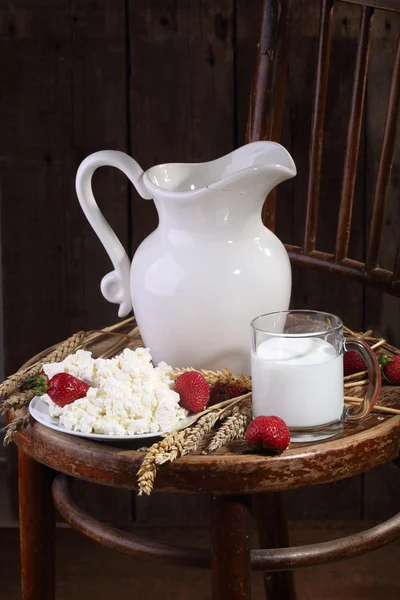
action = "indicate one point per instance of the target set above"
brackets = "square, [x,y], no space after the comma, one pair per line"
[297,372]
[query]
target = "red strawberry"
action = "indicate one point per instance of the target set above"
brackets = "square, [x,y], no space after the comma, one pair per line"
[217,394]
[268,433]
[390,366]
[63,388]
[232,391]
[353,362]
[194,391]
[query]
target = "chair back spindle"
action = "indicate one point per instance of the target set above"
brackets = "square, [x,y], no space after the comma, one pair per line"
[385,167]
[317,126]
[353,136]
[265,122]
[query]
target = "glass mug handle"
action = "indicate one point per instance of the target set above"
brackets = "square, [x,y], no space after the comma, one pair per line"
[355,413]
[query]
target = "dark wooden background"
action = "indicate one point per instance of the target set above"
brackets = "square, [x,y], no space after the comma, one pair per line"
[169,80]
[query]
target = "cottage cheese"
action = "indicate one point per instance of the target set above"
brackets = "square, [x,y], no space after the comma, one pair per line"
[127,394]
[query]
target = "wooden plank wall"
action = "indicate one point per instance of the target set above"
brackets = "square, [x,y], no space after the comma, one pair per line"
[168,80]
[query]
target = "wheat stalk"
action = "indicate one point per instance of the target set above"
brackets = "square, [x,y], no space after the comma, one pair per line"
[17,401]
[11,384]
[226,404]
[196,434]
[171,445]
[15,426]
[175,448]
[200,431]
[354,376]
[148,469]
[233,427]
[376,408]
[61,351]
[190,440]
[355,383]
[224,377]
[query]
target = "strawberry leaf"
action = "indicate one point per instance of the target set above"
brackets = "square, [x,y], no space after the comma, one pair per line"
[384,359]
[38,384]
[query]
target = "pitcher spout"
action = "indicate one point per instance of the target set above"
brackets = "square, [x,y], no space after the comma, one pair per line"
[259,166]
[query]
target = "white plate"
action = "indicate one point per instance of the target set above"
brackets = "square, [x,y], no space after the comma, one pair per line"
[40,412]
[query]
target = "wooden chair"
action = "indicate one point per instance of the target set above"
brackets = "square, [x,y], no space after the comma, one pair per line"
[43,452]
[49,461]
[265,122]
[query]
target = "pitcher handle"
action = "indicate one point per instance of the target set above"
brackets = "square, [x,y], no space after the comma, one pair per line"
[115,285]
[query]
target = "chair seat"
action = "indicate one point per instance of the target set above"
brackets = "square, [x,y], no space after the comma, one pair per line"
[231,470]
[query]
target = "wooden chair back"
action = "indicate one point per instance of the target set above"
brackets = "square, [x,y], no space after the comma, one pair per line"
[265,122]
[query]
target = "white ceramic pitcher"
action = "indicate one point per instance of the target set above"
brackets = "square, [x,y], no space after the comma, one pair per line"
[210,266]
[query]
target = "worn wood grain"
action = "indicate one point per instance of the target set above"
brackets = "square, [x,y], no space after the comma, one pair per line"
[65,98]
[269,511]
[315,289]
[232,558]
[56,111]
[37,529]
[36,114]
[121,541]
[311,289]
[369,577]
[99,121]
[381,310]
[181,87]
[231,546]
[305,254]
[87,75]
[232,470]
[35,125]
[247,17]
[181,97]
[369,444]
[354,138]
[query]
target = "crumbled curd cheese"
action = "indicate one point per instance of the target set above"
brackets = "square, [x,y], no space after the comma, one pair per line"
[127,394]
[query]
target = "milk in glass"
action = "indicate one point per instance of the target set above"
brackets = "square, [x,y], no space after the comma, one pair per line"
[299,379]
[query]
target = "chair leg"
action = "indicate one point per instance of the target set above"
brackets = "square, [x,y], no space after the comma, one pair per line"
[269,511]
[230,540]
[37,528]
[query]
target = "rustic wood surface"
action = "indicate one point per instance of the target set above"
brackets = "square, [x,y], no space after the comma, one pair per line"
[87,75]
[380,308]
[231,474]
[230,529]
[231,470]
[37,529]
[231,544]
[363,307]
[310,252]
[65,98]
[231,556]
[95,569]
[118,540]
[270,514]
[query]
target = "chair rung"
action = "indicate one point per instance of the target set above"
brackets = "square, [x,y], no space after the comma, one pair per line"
[122,541]
[276,559]
[284,559]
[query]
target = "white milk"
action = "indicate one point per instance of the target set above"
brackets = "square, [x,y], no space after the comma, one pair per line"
[299,380]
